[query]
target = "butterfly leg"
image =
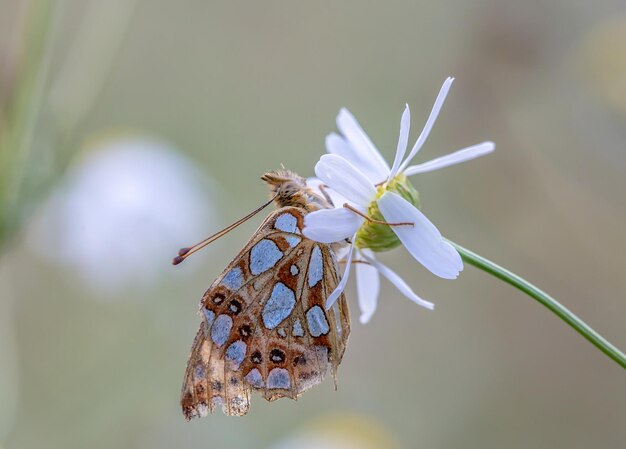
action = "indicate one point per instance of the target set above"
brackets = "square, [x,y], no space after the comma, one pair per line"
[322,188]
[372,220]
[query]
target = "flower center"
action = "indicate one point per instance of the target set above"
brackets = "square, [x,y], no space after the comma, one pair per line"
[379,237]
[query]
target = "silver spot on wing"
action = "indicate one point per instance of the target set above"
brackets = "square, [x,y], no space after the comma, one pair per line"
[278,306]
[236,352]
[254,378]
[278,378]
[221,329]
[316,267]
[286,223]
[264,256]
[316,321]
[233,279]
[297,330]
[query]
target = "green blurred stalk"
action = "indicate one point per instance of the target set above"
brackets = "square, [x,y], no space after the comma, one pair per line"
[546,300]
[63,103]
[20,120]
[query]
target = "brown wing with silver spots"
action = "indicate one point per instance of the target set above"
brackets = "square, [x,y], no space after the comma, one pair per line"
[264,322]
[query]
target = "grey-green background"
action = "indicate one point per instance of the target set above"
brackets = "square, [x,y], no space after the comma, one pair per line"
[241,87]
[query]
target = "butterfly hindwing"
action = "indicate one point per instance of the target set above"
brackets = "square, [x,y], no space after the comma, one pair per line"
[264,322]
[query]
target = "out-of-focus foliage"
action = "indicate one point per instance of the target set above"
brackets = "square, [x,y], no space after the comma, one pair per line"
[237,88]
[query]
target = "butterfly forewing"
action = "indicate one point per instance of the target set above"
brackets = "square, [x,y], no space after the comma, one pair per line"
[264,323]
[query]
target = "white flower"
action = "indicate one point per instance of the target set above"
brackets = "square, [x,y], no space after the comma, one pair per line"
[120,213]
[356,170]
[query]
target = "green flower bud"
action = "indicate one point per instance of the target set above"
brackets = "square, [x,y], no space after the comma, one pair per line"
[380,237]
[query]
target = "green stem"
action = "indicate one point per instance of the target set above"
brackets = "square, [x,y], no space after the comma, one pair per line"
[542,297]
[16,138]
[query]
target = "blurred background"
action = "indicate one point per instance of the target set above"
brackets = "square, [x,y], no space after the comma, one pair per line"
[131,128]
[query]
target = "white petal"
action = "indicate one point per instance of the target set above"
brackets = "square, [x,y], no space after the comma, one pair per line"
[336,144]
[344,280]
[313,182]
[367,286]
[340,175]
[331,225]
[336,199]
[400,284]
[403,140]
[466,154]
[342,252]
[368,159]
[430,122]
[422,240]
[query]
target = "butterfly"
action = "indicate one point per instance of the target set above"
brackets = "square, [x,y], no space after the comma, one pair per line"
[264,323]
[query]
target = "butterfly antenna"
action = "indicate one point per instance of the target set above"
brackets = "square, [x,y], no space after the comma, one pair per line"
[183,253]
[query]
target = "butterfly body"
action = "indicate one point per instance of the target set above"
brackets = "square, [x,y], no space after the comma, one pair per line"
[264,324]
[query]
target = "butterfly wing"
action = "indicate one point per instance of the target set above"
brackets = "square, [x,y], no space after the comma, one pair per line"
[264,323]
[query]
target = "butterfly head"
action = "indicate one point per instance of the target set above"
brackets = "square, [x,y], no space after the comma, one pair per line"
[290,189]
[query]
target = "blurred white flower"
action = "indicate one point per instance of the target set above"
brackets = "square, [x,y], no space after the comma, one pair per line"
[121,212]
[355,170]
